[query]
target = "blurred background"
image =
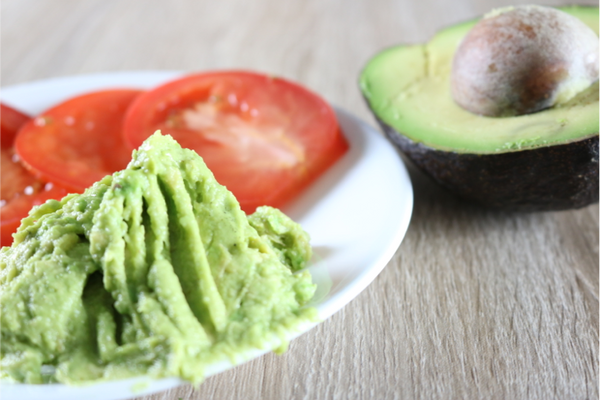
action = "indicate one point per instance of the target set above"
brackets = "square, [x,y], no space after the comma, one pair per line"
[320,43]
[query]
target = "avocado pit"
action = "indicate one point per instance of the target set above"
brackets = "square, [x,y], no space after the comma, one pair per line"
[520,60]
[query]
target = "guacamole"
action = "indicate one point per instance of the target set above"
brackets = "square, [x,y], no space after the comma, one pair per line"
[154,271]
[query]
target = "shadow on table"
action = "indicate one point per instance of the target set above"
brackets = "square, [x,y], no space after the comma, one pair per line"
[436,207]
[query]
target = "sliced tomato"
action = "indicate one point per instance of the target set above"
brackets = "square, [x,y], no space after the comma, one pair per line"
[79,141]
[19,189]
[16,208]
[264,138]
[11,121]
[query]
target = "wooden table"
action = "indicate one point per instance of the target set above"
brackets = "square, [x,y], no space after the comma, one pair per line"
[474,304]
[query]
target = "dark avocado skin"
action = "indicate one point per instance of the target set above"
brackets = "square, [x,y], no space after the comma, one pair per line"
[551,178]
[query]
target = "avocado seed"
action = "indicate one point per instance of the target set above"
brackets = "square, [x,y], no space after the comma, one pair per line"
[523,59]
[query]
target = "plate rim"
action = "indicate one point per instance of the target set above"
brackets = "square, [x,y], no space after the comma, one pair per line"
[325,309]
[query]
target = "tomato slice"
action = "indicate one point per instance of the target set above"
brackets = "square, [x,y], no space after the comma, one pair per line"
[19,189]
[79,141]
[15,208]
[264,138]
[11,121]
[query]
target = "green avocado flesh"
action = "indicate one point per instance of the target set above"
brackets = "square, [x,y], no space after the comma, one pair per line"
[153,271]
[408,88]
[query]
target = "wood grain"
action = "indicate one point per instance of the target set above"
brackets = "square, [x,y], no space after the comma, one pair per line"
[474,304]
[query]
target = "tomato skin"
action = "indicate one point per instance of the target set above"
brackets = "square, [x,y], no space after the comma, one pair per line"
[266,139]
[11,121]
[79,141]
[18,208]
[20,190]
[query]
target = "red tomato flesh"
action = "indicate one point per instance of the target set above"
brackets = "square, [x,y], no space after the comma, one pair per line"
[19,189]
[79,141]
[11,121]
[264,138]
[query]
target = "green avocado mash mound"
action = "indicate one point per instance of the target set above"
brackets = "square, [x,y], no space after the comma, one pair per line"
[152,271]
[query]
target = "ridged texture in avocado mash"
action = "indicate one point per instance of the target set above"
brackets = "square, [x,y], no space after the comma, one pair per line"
[155,271]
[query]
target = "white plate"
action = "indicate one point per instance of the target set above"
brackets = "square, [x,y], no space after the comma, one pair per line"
[356,214]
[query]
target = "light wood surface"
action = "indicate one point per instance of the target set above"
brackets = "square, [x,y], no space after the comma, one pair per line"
[474,304]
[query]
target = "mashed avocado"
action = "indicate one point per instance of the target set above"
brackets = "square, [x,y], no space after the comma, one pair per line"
[154,270]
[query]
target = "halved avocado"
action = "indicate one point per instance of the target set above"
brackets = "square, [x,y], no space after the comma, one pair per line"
[546,160]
